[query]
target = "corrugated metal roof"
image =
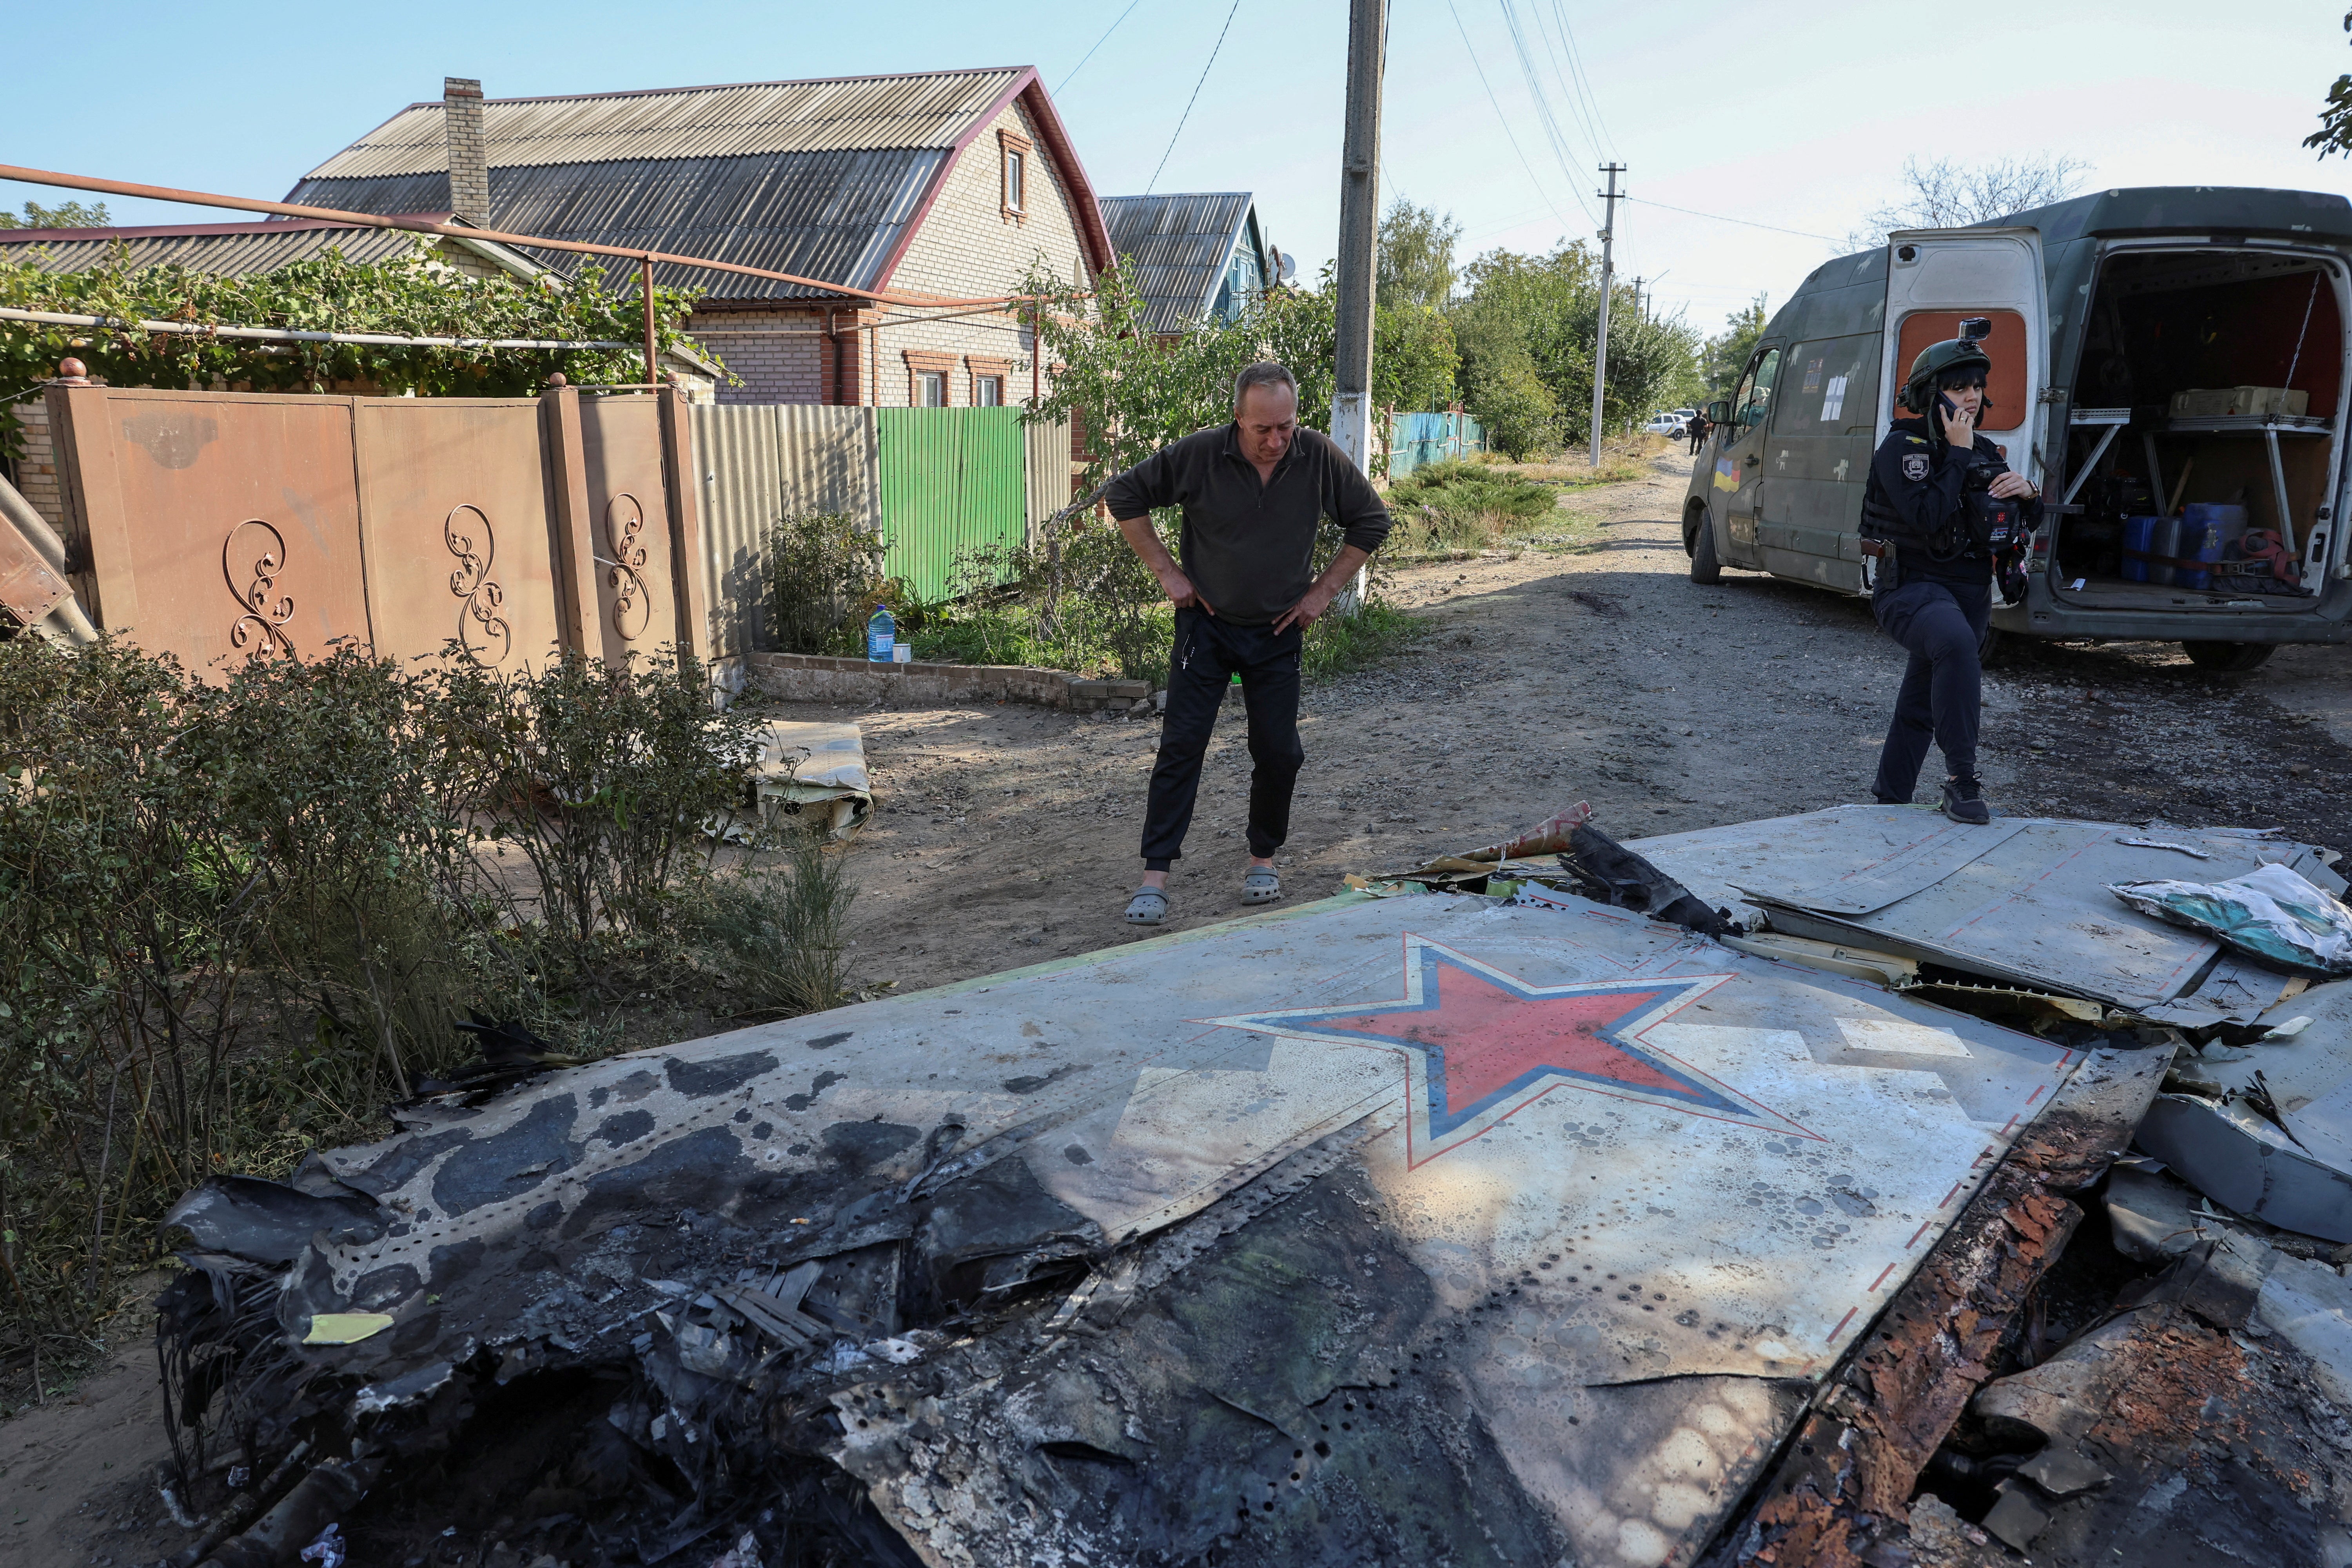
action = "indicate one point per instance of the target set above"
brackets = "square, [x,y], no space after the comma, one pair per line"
[225,249]
[1177,247]
[835,215]
[858,114]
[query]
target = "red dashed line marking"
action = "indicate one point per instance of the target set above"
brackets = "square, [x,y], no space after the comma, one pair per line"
[1882,1277]
[2009,1124]
[1955,1187]
[1840,1328]
[1917,1234]
[2036,1094]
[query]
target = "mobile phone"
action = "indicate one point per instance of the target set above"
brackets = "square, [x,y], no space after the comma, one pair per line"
[1946,406]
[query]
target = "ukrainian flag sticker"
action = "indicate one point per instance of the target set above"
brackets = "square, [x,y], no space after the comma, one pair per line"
[1726,474]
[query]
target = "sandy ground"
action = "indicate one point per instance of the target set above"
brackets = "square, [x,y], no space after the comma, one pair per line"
[1008,835]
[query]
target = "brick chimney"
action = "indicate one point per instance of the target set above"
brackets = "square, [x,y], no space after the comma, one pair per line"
[469,151]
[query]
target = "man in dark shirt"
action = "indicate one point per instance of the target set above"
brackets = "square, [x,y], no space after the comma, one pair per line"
[1696,428]
[1933,552]
[1245,591]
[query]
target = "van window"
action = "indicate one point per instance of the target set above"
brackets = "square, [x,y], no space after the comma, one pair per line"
[1832,384]
[2005,389]
[1754,399]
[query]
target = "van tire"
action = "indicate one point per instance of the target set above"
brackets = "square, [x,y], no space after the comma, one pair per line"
[1705,569]
[1992,649]
[2229,657]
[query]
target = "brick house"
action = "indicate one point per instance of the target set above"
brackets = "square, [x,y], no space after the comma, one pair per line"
[946,186]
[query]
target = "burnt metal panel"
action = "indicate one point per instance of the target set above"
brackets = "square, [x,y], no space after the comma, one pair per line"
[951,482]
[219,525]
[456,527]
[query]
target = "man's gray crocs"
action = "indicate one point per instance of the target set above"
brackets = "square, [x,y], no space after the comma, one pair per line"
[1262,885]
[1148,908]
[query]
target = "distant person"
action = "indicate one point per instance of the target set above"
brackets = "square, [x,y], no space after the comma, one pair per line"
[1245,592]
[1935,545]
[1696,428]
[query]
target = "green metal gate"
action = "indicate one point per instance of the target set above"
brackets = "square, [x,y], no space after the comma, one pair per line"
[951,480]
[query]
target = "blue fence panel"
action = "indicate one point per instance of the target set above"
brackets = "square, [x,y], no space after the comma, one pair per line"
[1415,439]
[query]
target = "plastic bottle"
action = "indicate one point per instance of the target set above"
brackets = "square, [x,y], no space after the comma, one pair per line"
[881,636]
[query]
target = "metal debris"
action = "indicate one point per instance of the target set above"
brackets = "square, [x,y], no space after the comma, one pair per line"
[1530,1219]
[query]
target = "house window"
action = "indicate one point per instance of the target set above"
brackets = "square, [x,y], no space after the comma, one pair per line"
[927,377]
[987,377]
[1014,154]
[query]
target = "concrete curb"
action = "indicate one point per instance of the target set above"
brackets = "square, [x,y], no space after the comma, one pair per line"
[818,678]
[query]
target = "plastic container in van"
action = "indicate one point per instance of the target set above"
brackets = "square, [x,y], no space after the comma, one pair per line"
[2139,539]
[2163,546]
[2208,529]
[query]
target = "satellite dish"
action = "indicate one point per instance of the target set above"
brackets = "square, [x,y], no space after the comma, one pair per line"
[1286,268]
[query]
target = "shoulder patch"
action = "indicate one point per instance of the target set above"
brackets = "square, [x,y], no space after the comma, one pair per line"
[1915,465]
[1917,440]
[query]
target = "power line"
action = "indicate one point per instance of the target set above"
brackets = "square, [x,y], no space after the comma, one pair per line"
[1565,75]
[1075,70]
[1559,147]
[1745,223]
[1503,120]
[1196,94]
[1576,63]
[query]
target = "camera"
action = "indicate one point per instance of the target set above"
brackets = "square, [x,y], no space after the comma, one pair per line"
[1975,328]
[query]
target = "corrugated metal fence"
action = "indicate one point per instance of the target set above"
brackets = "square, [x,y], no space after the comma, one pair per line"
[951,480]
[934,482]
[759,462]
[1417,438]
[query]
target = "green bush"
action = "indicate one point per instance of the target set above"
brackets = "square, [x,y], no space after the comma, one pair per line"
[238,916]
[1465,506]
[823,575]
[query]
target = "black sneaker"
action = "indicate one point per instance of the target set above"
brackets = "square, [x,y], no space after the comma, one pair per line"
[1964,801]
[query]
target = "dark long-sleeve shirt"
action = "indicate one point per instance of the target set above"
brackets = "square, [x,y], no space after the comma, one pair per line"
[1249,548]
[1916,489]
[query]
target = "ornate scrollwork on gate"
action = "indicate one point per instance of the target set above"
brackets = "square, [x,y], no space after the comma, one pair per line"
[480,626]
[252,587]
[633,610]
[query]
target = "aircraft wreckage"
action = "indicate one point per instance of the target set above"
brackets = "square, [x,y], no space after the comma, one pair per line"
[1475,1216]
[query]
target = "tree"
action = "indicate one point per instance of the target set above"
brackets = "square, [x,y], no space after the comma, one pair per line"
[2334,133]
[1414,359]
[65,214]
[1511,399]
[1948,194]
[1537,316]
[1415,265]
[1727,354]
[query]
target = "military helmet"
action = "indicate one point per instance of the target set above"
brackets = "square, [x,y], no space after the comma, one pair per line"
[1935,362]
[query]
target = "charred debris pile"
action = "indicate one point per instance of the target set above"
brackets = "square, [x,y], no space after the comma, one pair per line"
[762,1299]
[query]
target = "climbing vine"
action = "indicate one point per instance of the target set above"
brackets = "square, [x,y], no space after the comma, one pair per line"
[411,296]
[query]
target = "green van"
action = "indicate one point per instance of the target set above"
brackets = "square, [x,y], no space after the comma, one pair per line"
[2163,353]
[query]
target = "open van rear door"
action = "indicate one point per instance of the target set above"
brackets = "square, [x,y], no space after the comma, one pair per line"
[1937,276]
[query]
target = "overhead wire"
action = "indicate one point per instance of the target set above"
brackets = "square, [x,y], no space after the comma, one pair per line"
[1505,122]
[1576,63]
[1565,75]
[1075,70]
[1568,158]
[1719,217]
[1196,96]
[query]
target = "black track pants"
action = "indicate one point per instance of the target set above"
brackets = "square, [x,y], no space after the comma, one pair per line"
[1207,652]
[1942,625]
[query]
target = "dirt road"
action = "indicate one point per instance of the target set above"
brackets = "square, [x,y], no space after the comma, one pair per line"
[1008,835]
[1600,672]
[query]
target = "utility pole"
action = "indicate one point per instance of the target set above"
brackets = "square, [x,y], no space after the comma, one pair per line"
[1608,274]
[1639,313]
[1360,229]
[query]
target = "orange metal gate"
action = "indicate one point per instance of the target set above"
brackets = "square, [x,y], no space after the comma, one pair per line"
[221,525]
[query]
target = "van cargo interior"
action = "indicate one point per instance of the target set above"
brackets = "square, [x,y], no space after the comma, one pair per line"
[2211,385]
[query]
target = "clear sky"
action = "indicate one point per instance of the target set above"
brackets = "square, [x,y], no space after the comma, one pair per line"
[1797,115]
